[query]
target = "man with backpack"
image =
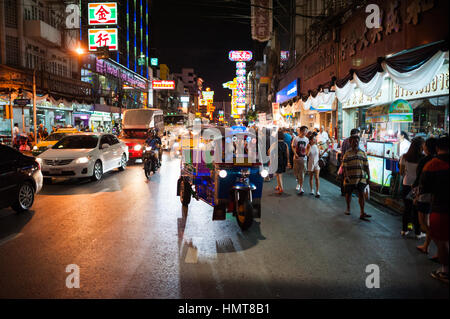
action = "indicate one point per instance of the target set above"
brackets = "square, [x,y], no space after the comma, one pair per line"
[299,144]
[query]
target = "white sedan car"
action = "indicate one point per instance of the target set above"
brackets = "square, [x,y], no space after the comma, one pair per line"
[84,155]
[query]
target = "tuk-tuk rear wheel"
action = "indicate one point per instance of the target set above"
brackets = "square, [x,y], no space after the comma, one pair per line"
[244,214]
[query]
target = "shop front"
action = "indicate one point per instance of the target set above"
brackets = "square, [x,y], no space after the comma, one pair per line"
[81,115]
[100,121]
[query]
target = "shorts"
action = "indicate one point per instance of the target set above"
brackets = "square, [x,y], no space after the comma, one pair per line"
[299,168]
[348,189]
[439,226]
[313,167]
[424,208]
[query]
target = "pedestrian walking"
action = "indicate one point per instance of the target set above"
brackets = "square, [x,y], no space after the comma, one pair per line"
[356,175]
[344,148]
[408,169]
[435,180]
[279,153]
[299,144]
[288,140]
[422,201]
[312,151]
[15,135]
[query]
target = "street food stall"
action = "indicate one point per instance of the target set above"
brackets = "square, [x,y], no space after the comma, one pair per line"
[382,147]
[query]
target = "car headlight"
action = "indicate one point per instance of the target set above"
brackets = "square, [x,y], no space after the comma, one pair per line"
[264,173]
[83,160]
[137,147]
[223,173]
[35,148]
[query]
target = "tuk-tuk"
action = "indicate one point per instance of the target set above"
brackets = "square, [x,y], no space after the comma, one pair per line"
[225,171]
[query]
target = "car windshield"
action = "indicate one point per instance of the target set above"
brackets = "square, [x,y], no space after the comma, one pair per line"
[133,134]
[175,120]
[77,142]
[55,136]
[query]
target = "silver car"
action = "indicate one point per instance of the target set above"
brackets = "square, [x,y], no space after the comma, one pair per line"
[84,155]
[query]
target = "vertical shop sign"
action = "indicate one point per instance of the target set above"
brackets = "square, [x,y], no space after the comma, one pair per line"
[262,11]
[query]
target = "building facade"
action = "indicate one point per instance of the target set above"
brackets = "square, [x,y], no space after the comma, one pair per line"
[35,46]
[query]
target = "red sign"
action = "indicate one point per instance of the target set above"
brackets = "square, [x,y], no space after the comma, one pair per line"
[240,55]
[262,20]
[163,85]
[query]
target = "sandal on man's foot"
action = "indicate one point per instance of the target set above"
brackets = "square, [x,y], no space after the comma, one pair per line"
[364,218]
[367,215]
[439,275]
[347,212]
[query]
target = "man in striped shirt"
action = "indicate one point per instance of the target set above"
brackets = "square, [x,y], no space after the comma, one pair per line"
[355,168]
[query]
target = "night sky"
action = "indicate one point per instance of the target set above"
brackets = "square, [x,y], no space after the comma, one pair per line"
[199,34]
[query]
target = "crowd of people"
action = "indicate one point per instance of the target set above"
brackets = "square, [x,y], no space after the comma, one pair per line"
[423,167]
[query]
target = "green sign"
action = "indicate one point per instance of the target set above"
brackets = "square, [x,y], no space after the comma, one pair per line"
[154,61]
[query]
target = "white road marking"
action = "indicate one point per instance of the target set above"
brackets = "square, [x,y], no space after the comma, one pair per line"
[191,255]
[9,238]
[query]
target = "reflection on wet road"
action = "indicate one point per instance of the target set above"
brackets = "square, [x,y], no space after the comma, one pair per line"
[130,240]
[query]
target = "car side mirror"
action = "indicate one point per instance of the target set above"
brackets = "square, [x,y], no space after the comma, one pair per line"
[105,146]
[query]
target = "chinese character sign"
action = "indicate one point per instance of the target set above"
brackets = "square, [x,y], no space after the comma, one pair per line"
[262,15]
[102,38]
[240,55]
[102,13]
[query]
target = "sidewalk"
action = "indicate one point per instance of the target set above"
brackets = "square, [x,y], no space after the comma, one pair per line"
[395,205]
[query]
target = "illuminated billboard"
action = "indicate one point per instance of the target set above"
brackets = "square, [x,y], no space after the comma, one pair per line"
[102,38]
[239,56]
[163,85]
[102,13]
[288,92]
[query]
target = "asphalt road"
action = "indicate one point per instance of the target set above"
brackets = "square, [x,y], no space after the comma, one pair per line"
[129,239]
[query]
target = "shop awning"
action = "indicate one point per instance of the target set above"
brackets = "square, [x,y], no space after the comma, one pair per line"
[398,111]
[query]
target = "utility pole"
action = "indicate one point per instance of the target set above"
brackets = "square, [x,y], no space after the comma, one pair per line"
[34,106]
[12,116]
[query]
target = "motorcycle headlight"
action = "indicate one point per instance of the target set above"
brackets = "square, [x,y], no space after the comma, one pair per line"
[264,173]
[137,147]
[148,148]
[222,173]
[83,160]
[35,148]
[176,144]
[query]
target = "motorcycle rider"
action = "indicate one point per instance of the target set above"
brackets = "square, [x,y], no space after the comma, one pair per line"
[154,141]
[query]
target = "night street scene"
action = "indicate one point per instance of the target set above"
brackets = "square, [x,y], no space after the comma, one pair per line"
[224,155]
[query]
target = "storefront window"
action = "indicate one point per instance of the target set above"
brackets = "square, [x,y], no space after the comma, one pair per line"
[430,115]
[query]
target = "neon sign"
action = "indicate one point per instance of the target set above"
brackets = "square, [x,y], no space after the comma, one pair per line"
[240,56]
[102,13]
[163,85]
[102,38]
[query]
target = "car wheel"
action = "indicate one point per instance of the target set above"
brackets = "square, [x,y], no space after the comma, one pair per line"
[123,163]
[98,171]
[25,198]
